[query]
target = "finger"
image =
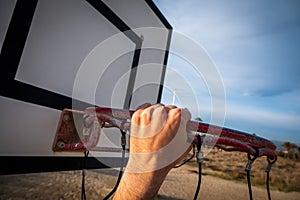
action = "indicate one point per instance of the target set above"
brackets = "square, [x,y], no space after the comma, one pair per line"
[186,114]
[173,120]
[174,114]
[143,106]
[146,115]
[159,118]
[178,117]
[136,117]
[169,107]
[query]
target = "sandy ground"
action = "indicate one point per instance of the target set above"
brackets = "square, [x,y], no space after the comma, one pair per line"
[179,184]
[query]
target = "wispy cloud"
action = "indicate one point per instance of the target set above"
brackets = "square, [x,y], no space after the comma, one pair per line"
[264,122]
[255,46]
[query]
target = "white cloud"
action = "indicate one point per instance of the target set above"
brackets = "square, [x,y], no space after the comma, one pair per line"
[257,116]
[255,55]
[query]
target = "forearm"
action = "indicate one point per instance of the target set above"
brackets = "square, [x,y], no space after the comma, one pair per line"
[138,186]
[158,140]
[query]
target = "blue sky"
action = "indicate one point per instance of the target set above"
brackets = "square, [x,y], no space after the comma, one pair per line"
[255,46]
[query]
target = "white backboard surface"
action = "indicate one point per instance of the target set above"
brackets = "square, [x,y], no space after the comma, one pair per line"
[62,39]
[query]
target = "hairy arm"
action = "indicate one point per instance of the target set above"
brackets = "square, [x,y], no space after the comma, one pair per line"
[140,185]
[158,140]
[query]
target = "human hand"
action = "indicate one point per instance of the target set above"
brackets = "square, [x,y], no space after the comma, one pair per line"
[158,138]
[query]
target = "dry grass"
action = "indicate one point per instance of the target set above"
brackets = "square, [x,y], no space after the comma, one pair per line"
[179,184]
[284,175]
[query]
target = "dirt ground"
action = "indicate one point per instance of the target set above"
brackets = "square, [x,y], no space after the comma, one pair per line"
[179,184]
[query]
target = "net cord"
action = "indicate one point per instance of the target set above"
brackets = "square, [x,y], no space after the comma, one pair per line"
[199,160]
[123,144]
[248,169]
[268,169]
[229,140]
[83,196]
[187,160]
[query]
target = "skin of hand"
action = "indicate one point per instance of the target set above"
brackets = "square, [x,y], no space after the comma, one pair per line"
[154,128]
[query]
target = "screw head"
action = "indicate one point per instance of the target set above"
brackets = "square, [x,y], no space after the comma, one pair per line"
[67,117]
[60,144]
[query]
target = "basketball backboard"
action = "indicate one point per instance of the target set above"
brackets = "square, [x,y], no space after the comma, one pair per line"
[54,55]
